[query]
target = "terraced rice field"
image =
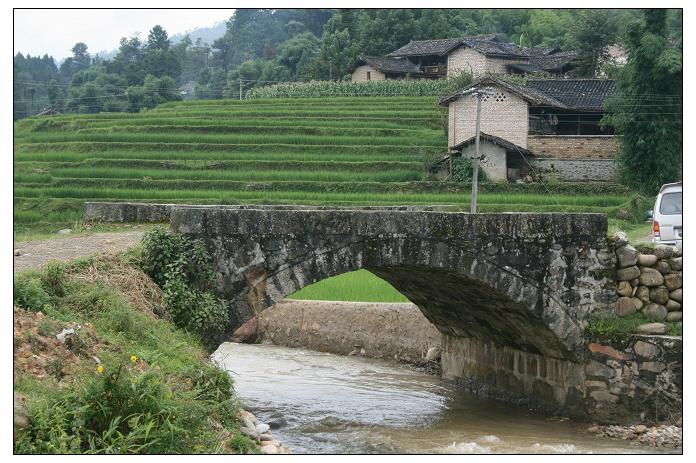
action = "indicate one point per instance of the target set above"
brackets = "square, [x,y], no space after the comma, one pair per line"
[347,151]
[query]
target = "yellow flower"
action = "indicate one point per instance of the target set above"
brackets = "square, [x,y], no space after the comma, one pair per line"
[134,358]
[100,369]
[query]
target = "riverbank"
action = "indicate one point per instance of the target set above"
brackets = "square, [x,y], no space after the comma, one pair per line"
[100,368]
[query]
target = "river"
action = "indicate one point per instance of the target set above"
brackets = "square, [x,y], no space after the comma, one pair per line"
[324,403]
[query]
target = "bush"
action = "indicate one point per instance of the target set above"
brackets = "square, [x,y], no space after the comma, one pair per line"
[463,171]
[29,294]
[181,267]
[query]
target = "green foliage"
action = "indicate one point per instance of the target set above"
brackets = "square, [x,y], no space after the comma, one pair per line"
[623,326]
[593,31]
[463,171]
[29,294]
[182,268]
[646,111]
[358,286]
[339,89]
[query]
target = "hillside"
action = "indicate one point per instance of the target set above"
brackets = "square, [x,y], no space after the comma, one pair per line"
[347,151]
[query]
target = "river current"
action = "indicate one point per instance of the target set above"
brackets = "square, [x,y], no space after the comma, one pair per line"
[324,403]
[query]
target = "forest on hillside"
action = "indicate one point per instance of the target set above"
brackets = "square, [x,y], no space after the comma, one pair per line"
[264,46]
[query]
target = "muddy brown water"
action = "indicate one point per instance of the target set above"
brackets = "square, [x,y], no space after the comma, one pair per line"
[325,403]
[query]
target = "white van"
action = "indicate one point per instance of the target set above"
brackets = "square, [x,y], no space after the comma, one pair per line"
[667,215]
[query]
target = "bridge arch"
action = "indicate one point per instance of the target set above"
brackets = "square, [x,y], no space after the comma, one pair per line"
[523,280]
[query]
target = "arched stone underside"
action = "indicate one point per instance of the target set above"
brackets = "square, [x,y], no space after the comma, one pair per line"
[526,281]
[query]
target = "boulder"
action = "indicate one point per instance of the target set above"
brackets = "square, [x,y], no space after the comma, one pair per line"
[247,333]
[646,349]
[594,368]
[628,274]
[674,317]
[647,260]
[676,263]
[624,289]
[663,251]
[433,354]
[672,306]
[663,267]
[635,282]
[652,328]
[659,295]
[650,277]
[627,256]
[637,302]
[673,281]
[655,312]
[625,306]
[676,295]
[643,293]
[620,238]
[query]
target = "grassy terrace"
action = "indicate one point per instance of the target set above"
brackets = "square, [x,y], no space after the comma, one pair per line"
[347,151]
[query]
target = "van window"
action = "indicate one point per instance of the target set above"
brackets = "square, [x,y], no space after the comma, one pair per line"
[671,204]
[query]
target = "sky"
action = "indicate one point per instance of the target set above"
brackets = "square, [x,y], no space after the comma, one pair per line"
[35,30]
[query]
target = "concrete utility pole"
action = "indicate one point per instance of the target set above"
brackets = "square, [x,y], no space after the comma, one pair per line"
[240,89]
[475,161]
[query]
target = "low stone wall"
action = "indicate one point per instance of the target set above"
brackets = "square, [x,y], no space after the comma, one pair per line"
[574,146]
[574,170]
[378,330]
[635,379]
[649,282]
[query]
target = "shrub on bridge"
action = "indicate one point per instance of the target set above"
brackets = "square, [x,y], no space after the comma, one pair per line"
[181,267]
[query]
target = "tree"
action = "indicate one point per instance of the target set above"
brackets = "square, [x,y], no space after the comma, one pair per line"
[158,39]
[646,111]
[593,31]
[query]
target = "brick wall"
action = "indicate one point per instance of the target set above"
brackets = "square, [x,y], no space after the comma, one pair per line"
[360,74]
[465,59]
[576,169]
[573,146]
[503,115]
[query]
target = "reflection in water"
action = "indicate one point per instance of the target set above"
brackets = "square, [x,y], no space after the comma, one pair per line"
[325,403]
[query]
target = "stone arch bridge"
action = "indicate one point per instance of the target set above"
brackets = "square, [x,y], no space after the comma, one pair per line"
[512,292]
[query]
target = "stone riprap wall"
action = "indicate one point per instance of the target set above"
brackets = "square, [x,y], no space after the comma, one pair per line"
[649,282]
[634,379]
[574,170]
[377,330]
[574,146]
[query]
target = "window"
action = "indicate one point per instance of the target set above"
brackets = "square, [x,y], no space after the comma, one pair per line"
[671,204]
[369,75]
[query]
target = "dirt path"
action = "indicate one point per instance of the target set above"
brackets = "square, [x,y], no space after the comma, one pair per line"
[35,254]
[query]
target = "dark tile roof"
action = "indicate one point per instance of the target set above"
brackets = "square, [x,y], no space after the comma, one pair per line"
[578,94]
[581,94]
[531,95]
[495,48]
[523,67]
[436,47]
[495,140]
[539,51]
[554,61]
[381,63]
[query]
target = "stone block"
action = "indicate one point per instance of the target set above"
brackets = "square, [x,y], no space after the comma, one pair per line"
[676,263]
[673,281]
[646,350]
[597,369]
[624,289]
[652,328]
[655,312]
[628,274]
[654,367]
[607,350]
[643,293]
[663,267]
[627,256]
[676,295]
[659,295]
[650,277]
[674,317]
[620,238]
[637,302]
[647,260]
[672,306]
[603,396]
[625,306]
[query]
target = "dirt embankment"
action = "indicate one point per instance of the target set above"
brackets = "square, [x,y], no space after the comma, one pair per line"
[378,330]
